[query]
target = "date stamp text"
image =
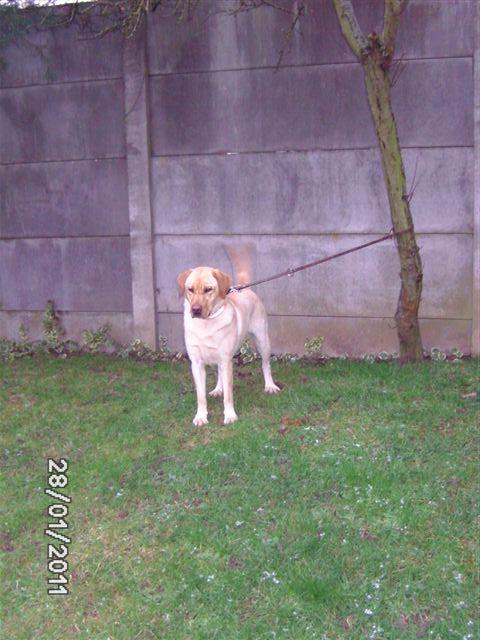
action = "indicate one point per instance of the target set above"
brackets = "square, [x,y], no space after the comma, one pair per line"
[57,527]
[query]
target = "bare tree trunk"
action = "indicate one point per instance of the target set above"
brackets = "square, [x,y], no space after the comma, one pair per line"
[375,54]
[377,82]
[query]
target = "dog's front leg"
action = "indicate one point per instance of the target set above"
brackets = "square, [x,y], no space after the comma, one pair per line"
[226,370]
[199,377]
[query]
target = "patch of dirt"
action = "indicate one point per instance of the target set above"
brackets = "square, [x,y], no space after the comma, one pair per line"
[421,620]
[234,562]
[366,534]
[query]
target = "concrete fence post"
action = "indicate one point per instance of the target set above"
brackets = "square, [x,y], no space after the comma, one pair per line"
[476,187]
[135,73]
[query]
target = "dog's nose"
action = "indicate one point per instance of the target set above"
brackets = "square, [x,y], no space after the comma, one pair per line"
[196,311]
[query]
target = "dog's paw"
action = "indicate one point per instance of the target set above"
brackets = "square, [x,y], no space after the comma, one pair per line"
[216,393]
[271,388]
[230,416]
[200,419]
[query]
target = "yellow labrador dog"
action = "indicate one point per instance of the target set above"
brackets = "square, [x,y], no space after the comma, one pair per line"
[216,321]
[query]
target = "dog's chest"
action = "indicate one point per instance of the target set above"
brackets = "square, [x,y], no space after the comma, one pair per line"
[212,340]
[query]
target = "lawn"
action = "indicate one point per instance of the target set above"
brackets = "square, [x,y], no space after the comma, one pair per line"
[344,507]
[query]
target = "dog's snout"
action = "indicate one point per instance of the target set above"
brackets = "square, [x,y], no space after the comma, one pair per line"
[196,311]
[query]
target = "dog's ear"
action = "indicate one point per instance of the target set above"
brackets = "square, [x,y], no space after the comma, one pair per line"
[224,282]
[182,278]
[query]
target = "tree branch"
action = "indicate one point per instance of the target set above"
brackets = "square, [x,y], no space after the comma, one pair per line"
[391,19]
[350,27]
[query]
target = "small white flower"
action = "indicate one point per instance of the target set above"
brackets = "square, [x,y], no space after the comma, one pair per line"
[368,612]
[270,576]
[376,631]
[210,578]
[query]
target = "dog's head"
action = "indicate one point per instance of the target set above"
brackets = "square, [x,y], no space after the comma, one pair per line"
[205,289]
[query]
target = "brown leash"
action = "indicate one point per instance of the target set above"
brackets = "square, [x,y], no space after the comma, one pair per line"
[290,272]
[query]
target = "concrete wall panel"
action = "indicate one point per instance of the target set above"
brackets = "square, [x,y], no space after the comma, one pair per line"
[255,38]
[249,39]
[81,274]
[354,336]
[62,122]
[61,55]
[364,283]
[258,110]
[86,198]
[312,192]
[431,103]
[73,322]
[359,336]
[436,28]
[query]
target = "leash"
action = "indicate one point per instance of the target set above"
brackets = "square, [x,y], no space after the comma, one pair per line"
[290,272]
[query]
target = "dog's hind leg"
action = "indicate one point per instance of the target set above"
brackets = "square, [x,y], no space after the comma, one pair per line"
[259,331]
[218,391]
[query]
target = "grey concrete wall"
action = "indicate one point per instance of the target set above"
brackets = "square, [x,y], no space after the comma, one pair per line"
[64,215]
[288,162]
[124,164]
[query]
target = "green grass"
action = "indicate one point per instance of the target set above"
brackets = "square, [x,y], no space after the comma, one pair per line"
[345,507]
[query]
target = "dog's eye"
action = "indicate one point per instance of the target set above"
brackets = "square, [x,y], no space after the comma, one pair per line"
[208,289]
[190,289]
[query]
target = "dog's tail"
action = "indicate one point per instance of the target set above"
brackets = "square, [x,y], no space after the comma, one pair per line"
[242,258]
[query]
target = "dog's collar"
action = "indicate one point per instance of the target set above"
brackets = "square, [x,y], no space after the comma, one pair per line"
[217,312]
